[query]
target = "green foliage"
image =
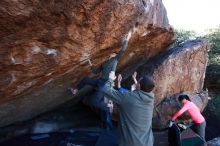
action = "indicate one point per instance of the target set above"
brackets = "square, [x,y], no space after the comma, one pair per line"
[213,73]
[213,69]
[182,36]
[213,36]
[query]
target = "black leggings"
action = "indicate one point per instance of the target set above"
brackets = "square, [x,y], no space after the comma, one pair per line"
[199,129]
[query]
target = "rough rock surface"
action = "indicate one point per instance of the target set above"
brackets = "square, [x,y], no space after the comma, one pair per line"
[180,69]
[44,46]
[41,40]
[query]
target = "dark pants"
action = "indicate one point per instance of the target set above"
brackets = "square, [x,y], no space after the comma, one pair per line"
[200,129]
[97,99]
[174,137]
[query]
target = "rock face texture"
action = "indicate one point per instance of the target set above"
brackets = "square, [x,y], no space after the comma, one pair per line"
[44,39]
[44,46]
[180,69]
[177,70]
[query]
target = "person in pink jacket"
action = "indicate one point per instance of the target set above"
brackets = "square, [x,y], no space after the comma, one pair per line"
[194,112]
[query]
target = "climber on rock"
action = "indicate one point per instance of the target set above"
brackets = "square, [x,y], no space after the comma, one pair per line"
[104,69]
[194,112]
[136,111]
